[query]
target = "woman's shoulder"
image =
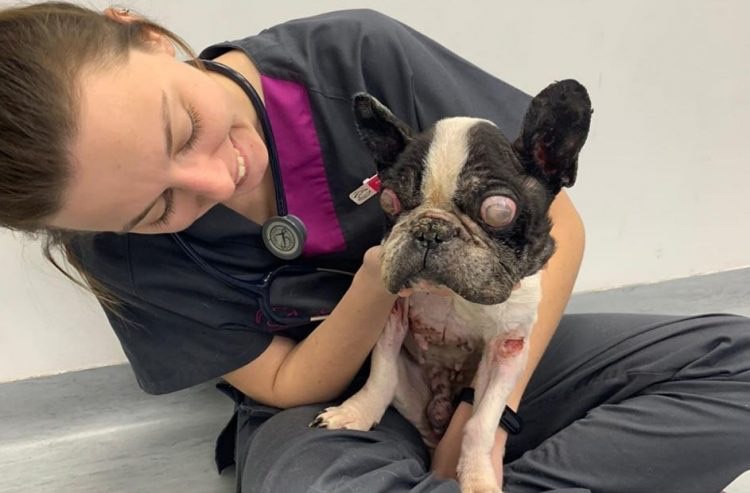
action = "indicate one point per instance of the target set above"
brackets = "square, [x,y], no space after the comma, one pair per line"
[362,18]
[107,257]
[351,28]
[321,32]
[101,254]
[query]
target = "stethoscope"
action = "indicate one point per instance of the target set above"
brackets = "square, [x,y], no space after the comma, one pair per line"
[283,235]
[260,287]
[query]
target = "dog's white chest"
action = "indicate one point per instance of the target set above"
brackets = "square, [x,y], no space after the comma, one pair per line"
[437,334]
[450,332]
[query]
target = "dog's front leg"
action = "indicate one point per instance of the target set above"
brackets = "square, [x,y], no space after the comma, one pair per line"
[502,363]
[364,409]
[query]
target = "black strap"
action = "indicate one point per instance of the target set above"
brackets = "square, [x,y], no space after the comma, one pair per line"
[225,447]
[511,421]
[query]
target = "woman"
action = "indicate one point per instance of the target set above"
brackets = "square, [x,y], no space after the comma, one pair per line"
[111,144]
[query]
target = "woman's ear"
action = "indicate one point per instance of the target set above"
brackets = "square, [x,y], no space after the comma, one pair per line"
[153,37]
[119,15]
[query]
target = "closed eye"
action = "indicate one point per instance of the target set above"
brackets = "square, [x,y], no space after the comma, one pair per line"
[168,209]
[196,127]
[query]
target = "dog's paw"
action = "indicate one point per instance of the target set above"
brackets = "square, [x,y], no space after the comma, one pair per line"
[477,477]
[481,487]
[343,416]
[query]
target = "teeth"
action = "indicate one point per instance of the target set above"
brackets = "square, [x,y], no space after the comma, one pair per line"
[241,168]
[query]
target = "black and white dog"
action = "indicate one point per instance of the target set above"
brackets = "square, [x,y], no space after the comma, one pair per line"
[468,232]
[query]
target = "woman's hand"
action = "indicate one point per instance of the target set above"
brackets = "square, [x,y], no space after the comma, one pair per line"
[372,264]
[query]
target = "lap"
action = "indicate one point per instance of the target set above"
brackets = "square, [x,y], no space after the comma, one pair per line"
[285,454]
[612,388]
[635,350]
[604,377]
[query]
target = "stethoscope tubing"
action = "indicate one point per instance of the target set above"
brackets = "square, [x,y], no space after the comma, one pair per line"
[265,123]
[260,289]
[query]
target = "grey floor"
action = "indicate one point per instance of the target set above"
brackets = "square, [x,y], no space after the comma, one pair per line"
[95,431]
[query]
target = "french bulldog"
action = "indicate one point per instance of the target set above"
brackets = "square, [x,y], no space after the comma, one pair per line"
[467,234]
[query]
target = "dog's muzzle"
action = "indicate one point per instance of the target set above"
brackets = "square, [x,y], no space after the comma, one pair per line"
[430,233]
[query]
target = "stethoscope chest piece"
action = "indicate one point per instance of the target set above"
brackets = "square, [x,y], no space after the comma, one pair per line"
[284,236]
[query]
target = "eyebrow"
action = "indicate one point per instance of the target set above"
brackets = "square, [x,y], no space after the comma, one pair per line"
[169,141]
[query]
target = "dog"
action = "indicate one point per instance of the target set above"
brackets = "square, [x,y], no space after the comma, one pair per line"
[467,233]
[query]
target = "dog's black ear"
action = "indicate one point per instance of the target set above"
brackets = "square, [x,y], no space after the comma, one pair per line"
[554,130]
[380,130]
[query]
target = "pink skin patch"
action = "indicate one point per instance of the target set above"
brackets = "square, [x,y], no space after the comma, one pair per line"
[389,202]
[506,348]
[512,346]
[540,154]
[439,413]
[406,292]
[440,409]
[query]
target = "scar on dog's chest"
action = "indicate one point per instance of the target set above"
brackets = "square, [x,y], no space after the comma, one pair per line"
[437,334]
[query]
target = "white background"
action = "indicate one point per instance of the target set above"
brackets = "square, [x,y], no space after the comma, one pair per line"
[663,178]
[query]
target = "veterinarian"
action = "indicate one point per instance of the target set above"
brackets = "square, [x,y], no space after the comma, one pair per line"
[180,197]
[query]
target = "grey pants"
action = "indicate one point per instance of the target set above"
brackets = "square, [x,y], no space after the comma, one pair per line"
[619,403]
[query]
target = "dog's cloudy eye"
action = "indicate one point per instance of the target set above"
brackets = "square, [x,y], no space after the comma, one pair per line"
[498,211]
[389,201]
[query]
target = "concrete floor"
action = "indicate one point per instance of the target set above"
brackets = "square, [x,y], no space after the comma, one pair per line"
[95,431]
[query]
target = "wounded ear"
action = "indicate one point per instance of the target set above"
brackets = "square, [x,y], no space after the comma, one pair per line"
[380,130]
[554,130]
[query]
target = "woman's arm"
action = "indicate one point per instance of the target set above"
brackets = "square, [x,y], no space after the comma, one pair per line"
[321,366]
[558,278]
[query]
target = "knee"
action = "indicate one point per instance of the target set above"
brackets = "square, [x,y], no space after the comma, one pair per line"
[727,330]
[287,455]
[724,347]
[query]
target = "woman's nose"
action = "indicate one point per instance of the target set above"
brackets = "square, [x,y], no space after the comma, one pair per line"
[209,178]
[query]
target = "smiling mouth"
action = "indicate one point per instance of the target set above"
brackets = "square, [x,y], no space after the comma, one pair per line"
[241,169]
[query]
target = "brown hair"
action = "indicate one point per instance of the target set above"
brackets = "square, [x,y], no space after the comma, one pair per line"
[43,49]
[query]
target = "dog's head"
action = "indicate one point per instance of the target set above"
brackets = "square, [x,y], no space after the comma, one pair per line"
[465,208]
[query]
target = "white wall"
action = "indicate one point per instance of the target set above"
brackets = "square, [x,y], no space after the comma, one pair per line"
[663,177]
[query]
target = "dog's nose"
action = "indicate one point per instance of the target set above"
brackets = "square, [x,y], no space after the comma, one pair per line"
[431,232]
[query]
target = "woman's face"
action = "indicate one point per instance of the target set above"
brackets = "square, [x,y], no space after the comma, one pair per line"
[159,143]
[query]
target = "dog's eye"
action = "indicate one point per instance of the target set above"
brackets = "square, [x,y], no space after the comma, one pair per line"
[498,211]
[389,201]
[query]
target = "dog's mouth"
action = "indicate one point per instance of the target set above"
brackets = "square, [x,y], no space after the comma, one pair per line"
[423,286]
[437,290]
[419,284]
[472,273]
[446,253]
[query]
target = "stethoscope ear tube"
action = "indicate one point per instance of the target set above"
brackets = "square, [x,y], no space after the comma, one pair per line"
[208,268]
[260,289]
[284,234]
